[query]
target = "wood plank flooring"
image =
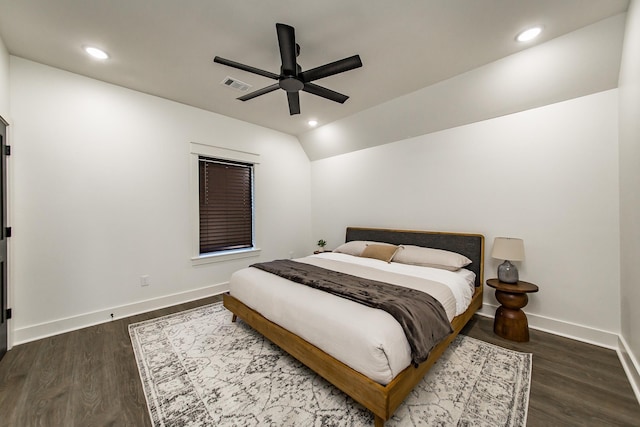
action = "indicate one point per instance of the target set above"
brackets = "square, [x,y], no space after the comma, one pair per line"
[572,383]
[89,378]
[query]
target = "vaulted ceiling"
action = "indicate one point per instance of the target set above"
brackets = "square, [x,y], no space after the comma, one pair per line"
[166,47]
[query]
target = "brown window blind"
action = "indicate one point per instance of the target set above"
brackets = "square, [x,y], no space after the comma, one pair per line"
[226,205]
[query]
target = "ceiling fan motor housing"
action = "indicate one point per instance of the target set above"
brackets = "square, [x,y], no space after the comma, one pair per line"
[291,84]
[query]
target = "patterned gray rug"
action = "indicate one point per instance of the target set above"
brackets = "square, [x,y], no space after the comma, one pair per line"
[199,369]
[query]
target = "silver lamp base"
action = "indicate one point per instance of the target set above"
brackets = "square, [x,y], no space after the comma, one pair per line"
[507,272]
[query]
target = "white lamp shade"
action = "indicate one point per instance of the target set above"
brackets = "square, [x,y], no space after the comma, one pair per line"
[508,248]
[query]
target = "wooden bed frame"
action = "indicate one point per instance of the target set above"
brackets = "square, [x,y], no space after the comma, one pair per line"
[381,400]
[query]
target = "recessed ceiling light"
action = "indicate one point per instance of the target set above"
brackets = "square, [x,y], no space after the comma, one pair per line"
[529,34]
[313,123]
[96,53]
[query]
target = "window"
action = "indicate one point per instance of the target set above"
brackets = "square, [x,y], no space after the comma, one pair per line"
[226,205]
[223,206]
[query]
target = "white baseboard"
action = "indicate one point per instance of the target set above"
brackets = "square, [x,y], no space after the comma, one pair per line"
[564,329]
[47,329]
[630,365]
[586,334]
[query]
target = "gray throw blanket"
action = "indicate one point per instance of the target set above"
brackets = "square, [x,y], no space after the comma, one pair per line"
[421,316]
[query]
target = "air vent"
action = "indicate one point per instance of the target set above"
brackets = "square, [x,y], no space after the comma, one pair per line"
[235,84]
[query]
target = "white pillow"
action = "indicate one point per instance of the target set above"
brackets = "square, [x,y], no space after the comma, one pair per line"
[356,247]
[429,257]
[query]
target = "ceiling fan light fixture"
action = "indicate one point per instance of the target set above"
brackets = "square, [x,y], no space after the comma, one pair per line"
[529,34]
[96,53]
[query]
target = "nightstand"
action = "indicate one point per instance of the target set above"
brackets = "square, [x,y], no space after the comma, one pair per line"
[510,321]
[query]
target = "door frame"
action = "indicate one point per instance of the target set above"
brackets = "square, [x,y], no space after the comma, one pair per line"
[7,296]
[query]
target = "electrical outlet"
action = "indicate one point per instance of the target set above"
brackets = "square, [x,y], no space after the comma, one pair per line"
[144,280]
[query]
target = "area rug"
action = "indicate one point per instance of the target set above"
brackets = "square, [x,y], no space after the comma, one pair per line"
[200,369]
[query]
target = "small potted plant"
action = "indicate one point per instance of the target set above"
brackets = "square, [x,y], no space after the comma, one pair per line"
[322,243]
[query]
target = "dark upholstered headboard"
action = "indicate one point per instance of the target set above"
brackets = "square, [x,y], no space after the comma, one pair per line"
[469,245]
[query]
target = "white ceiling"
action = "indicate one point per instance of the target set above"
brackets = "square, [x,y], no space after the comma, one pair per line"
[166,47]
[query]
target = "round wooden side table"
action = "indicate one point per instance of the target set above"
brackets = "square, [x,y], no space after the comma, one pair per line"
[510,321]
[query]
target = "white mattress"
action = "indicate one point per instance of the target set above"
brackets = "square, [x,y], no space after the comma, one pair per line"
[368,340]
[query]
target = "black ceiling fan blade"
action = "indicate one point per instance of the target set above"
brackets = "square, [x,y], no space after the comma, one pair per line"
[287,43]
[294,102]
[243,67]
[324,92]
[259,92]
[327,70]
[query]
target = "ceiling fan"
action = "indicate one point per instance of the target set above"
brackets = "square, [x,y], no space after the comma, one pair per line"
[291,78]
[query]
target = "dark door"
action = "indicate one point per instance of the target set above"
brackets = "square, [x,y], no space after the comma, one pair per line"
[3,238]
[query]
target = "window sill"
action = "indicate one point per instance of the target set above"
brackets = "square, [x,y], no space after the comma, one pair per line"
[225,256]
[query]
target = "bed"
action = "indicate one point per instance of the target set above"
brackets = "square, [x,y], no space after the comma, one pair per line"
[379,390]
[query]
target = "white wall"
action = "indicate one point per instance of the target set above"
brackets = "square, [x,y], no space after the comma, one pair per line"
[101,197]
[629,194]
[547,175]
[4,80]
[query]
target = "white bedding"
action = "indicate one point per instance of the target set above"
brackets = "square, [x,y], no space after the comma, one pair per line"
[368,340]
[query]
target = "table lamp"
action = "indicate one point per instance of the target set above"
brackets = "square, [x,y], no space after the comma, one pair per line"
[508,249]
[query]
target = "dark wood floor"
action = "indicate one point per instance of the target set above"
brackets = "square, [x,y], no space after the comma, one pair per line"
[572,383]
[89,378]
